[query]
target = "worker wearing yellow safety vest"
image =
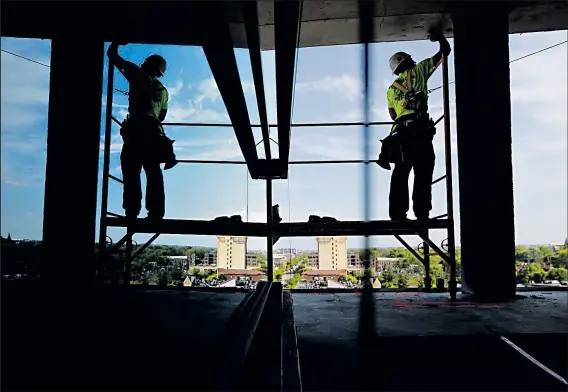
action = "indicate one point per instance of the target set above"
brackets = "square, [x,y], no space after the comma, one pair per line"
[409,145]
[145,143]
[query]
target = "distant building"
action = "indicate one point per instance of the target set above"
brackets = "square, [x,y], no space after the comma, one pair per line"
[210,259]
[334,275]
[232,274]
[252,260]
[313,260]
[332,253]
[231,252]
[379,264]
[354,261]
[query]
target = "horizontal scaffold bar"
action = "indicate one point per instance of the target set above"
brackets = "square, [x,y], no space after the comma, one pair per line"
[357,228]
[192,227]
[294,229]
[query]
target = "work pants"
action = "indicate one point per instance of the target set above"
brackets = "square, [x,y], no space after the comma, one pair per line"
[418,154]
[139,152]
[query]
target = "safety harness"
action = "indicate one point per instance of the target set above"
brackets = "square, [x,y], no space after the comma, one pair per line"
[408,91]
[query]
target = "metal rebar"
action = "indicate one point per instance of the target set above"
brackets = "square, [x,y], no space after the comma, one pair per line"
[449,190]
[218,162]
[331,162]
[115,178]
[270,232]
[115,119]
[106,168]
[437,180]
[438,120]
[440,216]
[291,163]
[299,125]
[115,215]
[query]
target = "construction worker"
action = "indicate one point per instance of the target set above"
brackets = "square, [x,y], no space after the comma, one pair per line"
[145,144]
[409,145]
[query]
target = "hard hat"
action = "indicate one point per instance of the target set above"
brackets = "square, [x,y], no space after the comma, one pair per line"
[397,59]
[156,62]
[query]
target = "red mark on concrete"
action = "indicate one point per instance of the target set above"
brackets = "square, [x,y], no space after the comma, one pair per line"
[458,305]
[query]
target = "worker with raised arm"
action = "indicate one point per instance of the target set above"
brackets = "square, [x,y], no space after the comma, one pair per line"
[145,144]
[409,145]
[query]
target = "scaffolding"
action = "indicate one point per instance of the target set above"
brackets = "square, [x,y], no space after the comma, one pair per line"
[270,169]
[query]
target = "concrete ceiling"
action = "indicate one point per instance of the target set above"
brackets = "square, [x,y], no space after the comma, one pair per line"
[332,22]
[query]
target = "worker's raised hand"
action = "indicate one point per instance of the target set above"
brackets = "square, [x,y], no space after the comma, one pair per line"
[435,37]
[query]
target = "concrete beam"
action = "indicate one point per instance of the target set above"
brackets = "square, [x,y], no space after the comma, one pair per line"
[484,152]
[218,49]
[73,138]
[287,16]
[323,22]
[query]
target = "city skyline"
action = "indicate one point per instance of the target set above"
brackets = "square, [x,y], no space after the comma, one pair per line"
[328,89]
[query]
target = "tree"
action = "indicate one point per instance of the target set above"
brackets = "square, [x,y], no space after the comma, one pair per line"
[560,274]
[532,272]
[195,271]
[387,278]
[402,281]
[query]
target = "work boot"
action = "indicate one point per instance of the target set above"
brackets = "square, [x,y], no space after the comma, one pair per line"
[401,218]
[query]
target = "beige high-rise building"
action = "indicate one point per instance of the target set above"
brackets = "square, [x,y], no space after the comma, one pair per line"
[231,252]
[332,253]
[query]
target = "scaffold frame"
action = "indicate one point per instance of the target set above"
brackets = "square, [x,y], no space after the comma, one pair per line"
[277,168]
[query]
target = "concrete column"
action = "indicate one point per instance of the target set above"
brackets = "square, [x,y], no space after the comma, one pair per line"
[73,138]
[483,109]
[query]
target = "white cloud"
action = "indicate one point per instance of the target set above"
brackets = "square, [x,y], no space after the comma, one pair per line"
[25,96]
[349,86]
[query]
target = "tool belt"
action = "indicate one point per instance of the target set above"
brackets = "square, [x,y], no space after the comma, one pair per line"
[410,128]
[150,131]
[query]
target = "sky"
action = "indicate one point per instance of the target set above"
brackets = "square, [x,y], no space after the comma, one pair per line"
[328,89]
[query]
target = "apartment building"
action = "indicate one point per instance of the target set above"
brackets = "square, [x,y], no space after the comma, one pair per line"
[231,252]
[332,253]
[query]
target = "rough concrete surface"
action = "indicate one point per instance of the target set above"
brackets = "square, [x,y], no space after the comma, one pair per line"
[426,342]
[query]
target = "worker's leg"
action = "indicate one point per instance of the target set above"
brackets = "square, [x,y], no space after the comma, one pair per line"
[423,172]
[398,197]
[155,195]
[132,188]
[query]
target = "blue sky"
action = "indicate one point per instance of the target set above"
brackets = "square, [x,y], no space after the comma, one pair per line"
[328,89]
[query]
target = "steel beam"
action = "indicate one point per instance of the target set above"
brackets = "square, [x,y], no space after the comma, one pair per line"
[193,227]
[218,49]
[287,17]
[352,228]
[250,15]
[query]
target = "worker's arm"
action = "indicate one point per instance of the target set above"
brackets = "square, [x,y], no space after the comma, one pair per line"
[390,102]
[445,48]
[128,69]
[164,110]
[392,114]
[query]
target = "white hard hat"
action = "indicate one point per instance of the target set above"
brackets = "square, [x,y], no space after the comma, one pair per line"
[397,59]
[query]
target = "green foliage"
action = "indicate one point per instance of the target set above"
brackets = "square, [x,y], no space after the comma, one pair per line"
[293,281]
[403,281]
[560,274]
[532,272]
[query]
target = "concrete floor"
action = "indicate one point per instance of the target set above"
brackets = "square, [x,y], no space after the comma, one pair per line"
[146,339]
[425,342]
[415,314]
[112,339]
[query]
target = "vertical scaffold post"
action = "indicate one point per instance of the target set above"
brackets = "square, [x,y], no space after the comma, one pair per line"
[102,256]
[428,279]
[449,186]
[128,260]
[269,235]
